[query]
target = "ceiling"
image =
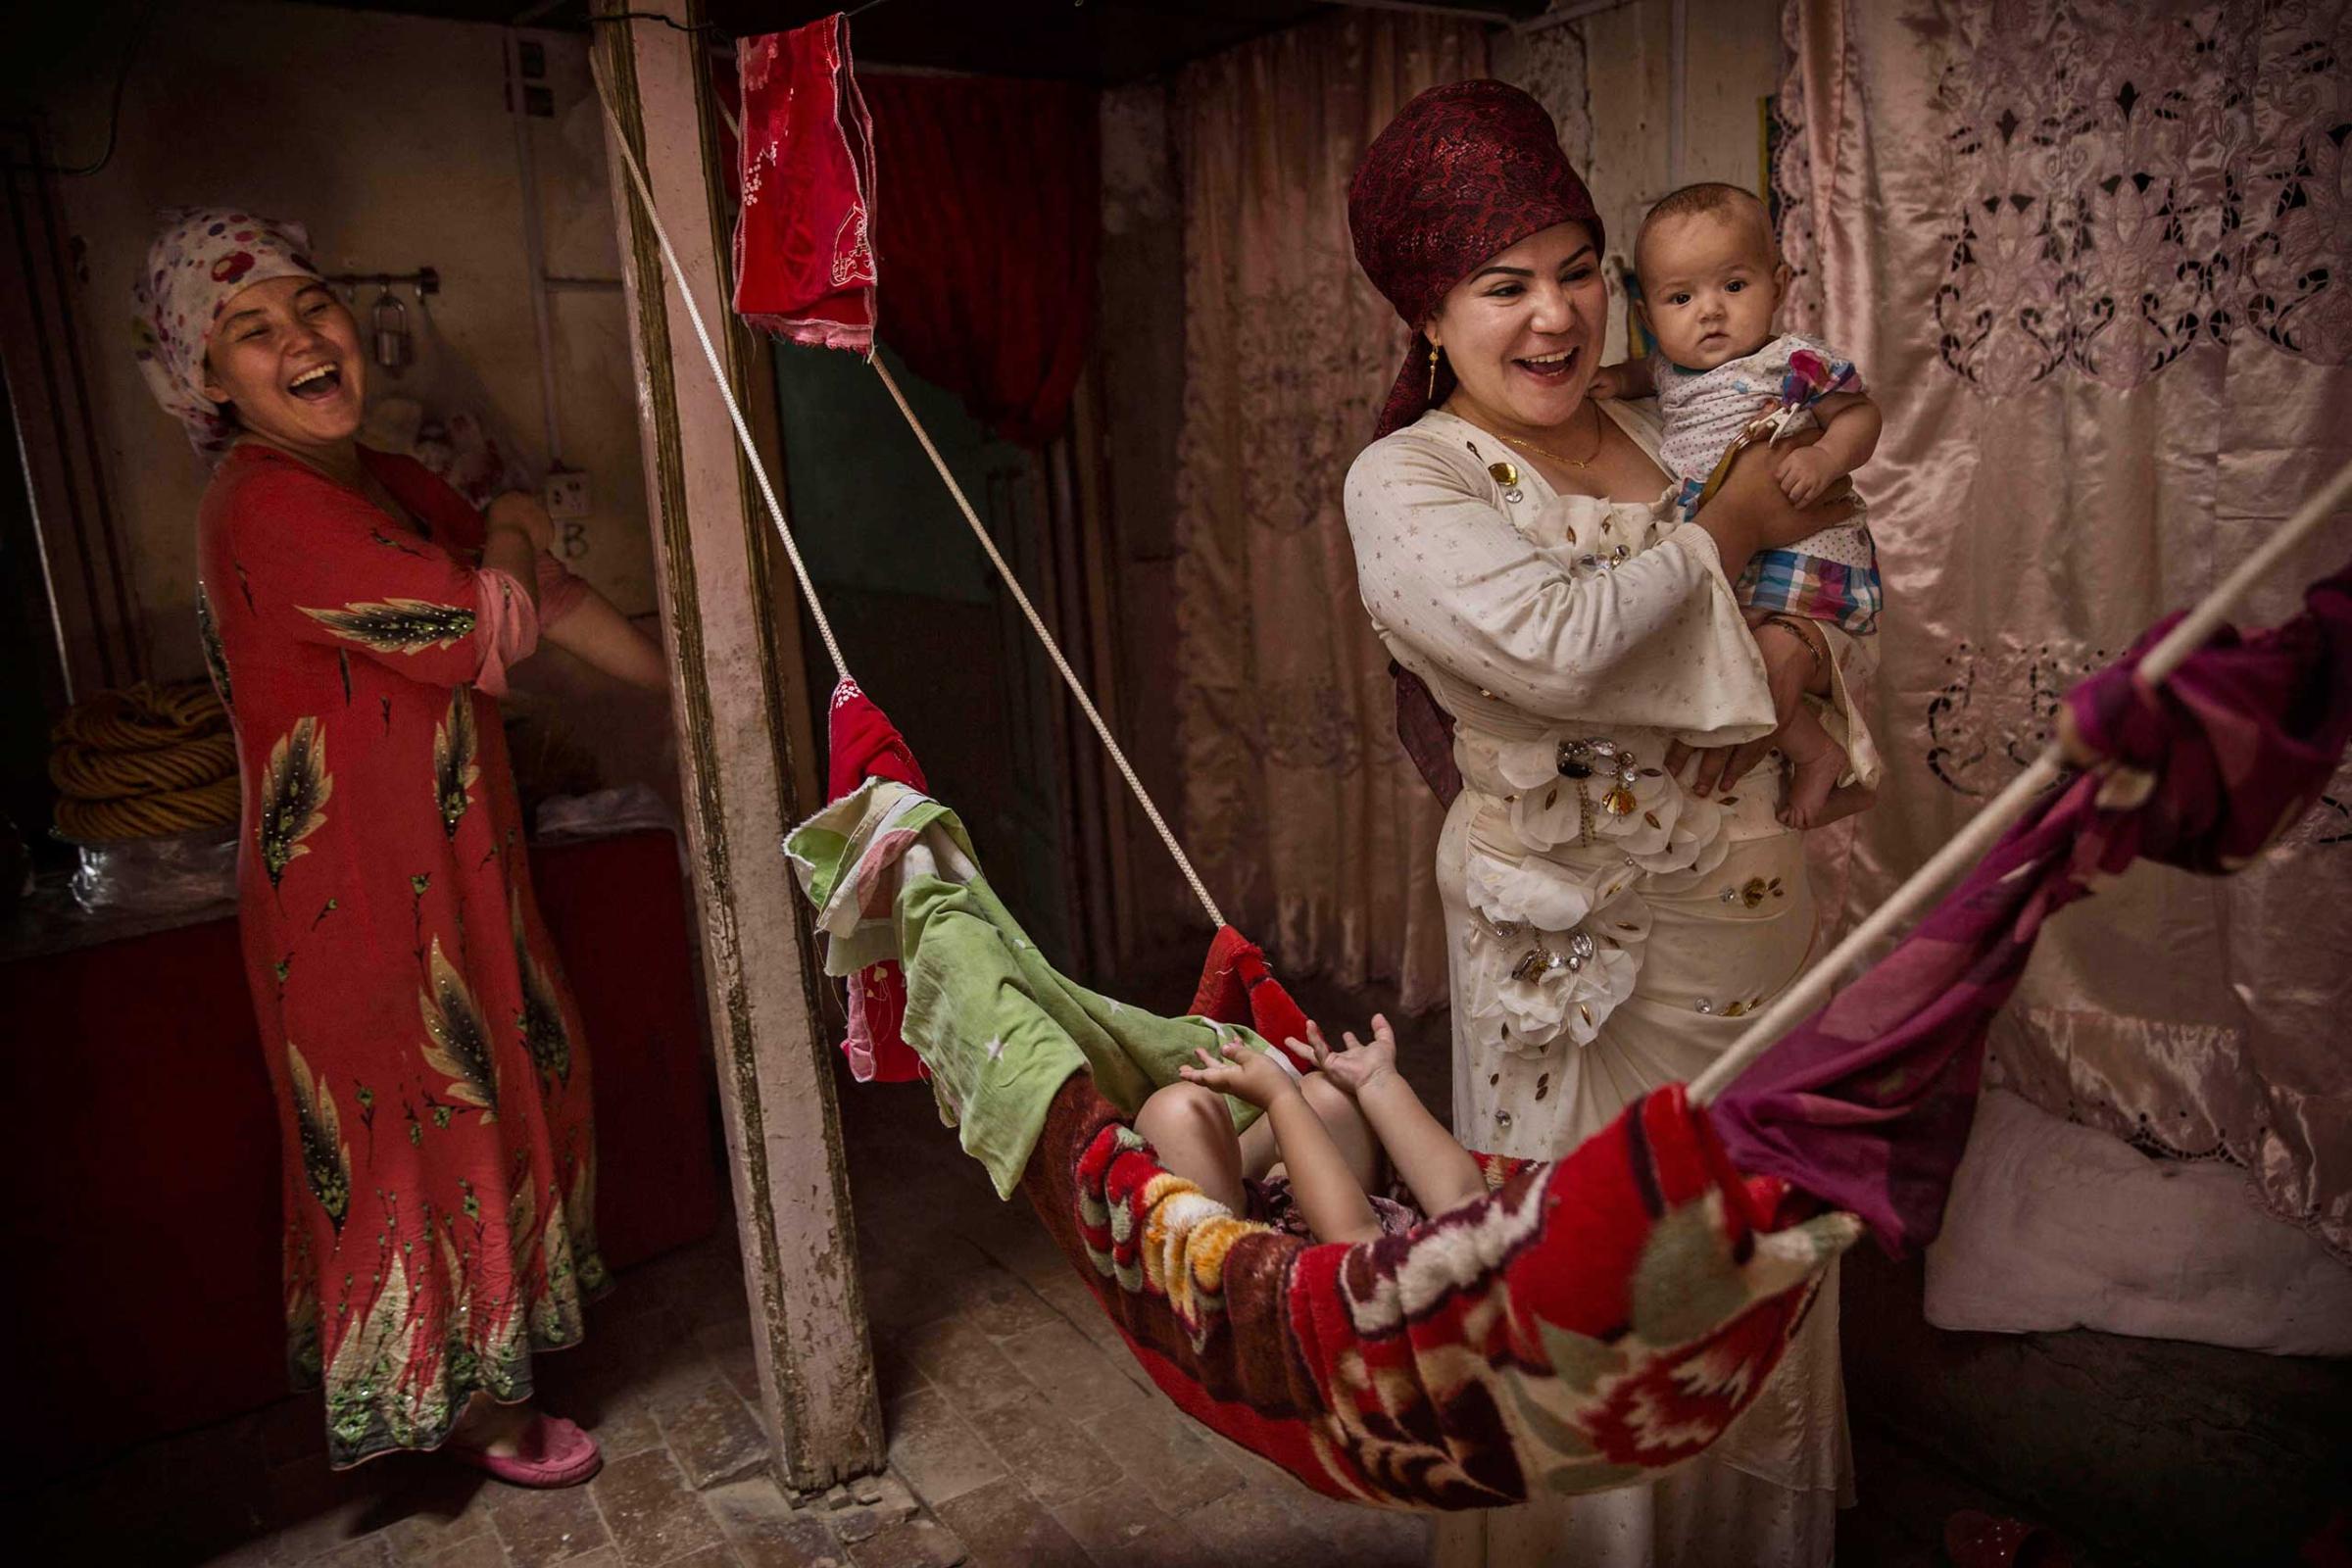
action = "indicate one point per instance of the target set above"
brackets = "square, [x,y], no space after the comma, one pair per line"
[1099,41]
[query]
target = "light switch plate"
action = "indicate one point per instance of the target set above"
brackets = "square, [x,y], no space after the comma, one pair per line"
[565,493]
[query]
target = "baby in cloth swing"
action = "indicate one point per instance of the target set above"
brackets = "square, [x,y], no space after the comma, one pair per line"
[1329,1130]
[1711,278]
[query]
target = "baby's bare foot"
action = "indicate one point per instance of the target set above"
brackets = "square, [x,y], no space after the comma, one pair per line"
[1811,783]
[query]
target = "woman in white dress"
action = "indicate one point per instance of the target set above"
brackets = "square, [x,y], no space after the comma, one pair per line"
[1610,923]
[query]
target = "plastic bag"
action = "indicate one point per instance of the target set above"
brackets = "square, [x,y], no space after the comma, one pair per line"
[173,875]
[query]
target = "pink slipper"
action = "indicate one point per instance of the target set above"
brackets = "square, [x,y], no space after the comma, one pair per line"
[1974,1539]
[551,1452]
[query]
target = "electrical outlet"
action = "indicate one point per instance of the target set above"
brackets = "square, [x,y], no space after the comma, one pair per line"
[565,493]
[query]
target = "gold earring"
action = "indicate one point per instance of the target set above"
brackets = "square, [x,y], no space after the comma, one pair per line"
[1433,373]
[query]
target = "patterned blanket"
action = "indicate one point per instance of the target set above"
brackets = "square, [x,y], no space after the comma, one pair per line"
[1592,1322]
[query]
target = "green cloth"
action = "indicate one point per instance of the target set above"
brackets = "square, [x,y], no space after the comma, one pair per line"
[893,876]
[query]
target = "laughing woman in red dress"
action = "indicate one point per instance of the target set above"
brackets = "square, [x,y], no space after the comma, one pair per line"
[358,618]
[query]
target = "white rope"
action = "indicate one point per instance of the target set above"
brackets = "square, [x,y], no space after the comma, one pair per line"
[1037,623]
[718,374]
[2006,808]
[775,513]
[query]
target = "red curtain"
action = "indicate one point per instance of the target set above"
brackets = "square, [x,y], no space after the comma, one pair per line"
[988,220]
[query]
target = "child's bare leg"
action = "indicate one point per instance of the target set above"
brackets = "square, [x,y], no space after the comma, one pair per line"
[1845,801]
[1191,1131]
[1339,1117]
[1814,763]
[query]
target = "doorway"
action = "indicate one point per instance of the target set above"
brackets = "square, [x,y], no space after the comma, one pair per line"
[924,621]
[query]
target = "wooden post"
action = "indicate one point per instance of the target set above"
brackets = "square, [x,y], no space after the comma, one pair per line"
[792,1200]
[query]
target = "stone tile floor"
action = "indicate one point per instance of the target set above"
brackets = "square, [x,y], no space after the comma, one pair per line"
[1021,1433]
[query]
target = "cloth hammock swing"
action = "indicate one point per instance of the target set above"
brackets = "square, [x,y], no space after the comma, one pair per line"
[1596,1321]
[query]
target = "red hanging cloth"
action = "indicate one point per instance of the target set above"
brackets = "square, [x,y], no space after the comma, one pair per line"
[803,250]
[1237,987]
[863,744]
[992,228]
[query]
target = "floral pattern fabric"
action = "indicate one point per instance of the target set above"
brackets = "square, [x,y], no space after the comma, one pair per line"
[433,1079]
[203,258]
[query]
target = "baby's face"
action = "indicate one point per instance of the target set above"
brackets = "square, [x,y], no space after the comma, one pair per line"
[1709,285]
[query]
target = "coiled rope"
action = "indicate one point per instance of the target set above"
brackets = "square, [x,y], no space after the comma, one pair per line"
[144,763]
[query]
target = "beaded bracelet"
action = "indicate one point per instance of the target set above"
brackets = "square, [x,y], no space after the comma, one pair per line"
[1794,624]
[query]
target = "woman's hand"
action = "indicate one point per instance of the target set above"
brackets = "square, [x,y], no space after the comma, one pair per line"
[1627,378]
[1748,513]
[1795,661]
[522,511]
[1359,1065]
[1247,1074]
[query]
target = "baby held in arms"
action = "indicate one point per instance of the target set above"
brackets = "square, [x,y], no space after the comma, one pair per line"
[1309,1166]
[1711,278]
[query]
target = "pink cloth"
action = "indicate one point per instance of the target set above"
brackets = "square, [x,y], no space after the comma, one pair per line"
[560,592]
[506,623]
[2089,432]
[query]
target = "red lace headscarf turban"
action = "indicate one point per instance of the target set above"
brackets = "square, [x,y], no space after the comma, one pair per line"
[1462,172]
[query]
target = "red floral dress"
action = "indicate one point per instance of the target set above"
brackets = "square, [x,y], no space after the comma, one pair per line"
[431,1077]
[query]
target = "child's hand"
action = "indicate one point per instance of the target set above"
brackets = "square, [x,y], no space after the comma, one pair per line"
[1360,1065]
[1806,476]
[1611,382]
[1245,1074]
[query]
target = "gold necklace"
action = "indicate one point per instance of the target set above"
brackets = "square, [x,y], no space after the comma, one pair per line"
[1561,458]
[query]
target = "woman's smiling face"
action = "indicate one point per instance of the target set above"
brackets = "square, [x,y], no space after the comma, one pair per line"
[1523,332]
[286,355]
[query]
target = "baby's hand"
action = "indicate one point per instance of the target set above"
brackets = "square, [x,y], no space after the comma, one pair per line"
[1611,382]
[1360,1065]
[1805,474]
[1245,1074]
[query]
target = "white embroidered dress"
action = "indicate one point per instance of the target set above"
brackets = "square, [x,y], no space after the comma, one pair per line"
[1607,931]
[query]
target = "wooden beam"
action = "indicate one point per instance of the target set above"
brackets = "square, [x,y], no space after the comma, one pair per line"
[790,1186]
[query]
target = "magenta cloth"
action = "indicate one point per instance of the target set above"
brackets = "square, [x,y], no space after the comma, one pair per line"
[862,743]
[1867,1104]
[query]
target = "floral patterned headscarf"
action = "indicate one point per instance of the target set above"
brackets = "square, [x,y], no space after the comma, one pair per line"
[202,258]
[1463,172]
